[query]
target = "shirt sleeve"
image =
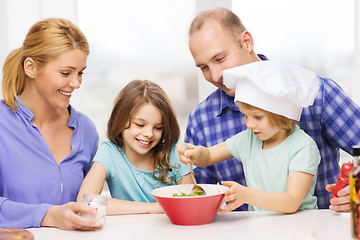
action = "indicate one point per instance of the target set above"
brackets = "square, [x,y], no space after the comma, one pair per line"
[305,158]
[238,145]
[105,156]
[340,117]
[14,214]
[95,147]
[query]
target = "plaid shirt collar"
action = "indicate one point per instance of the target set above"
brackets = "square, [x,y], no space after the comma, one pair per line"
[225,102]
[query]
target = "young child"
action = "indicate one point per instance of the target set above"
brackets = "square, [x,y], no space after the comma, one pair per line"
[140,154]
[279,159]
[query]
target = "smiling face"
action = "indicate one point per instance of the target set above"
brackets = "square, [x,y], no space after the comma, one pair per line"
[144,133]
[258,122]
[53,83]
[215,49]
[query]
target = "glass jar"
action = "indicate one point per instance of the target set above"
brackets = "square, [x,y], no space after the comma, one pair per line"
[99,203]
[354,182]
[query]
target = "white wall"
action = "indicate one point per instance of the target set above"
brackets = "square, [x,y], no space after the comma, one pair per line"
[17,16]
[356,76]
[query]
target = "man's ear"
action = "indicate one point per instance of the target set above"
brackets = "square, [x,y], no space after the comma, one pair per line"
[247,40]
[30,67]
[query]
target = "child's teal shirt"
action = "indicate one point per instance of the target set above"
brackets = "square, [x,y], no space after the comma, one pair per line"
[127,182]
[268,169]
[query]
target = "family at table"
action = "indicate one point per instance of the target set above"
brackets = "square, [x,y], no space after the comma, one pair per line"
[271,131]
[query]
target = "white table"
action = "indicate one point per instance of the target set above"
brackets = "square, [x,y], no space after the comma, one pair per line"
[304,225]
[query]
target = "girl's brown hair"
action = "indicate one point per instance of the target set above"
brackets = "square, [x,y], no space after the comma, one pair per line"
[275,120]
[46,40]
[134,95]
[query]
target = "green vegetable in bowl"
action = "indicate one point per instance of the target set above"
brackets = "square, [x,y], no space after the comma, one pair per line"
[196,193]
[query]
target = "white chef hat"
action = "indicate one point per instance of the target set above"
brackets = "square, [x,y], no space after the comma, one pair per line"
[275,87]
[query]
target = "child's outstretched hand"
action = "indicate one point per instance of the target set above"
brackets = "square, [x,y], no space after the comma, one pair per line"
[187,155]
[234,196]
[202,156]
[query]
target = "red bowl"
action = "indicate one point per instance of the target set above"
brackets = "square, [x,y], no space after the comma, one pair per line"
[194,210]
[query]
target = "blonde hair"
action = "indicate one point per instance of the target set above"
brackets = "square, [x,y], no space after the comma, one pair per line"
[130,99]
[275,120]
[46,40]
[226,18]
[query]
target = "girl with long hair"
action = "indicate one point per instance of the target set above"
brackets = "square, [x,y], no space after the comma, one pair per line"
[140,154]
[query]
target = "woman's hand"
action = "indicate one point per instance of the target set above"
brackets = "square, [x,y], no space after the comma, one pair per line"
[67,217]
[342,202]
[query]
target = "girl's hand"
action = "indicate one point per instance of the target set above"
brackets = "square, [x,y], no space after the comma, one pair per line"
[342,202]
[67,217]
[234,197]
[156,208]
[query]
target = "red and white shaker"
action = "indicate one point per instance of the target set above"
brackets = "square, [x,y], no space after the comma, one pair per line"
[343,180]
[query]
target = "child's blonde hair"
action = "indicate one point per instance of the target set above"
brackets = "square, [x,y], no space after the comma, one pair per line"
[275,120]
[133,96]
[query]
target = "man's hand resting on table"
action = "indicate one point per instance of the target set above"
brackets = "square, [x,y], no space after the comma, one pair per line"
[342,202]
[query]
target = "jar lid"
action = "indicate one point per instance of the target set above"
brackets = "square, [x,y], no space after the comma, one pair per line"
[356,150]
[94,198]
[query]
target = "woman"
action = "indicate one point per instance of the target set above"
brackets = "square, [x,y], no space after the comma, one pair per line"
[46,145]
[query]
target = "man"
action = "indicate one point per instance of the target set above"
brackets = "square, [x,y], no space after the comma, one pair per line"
[218,41]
